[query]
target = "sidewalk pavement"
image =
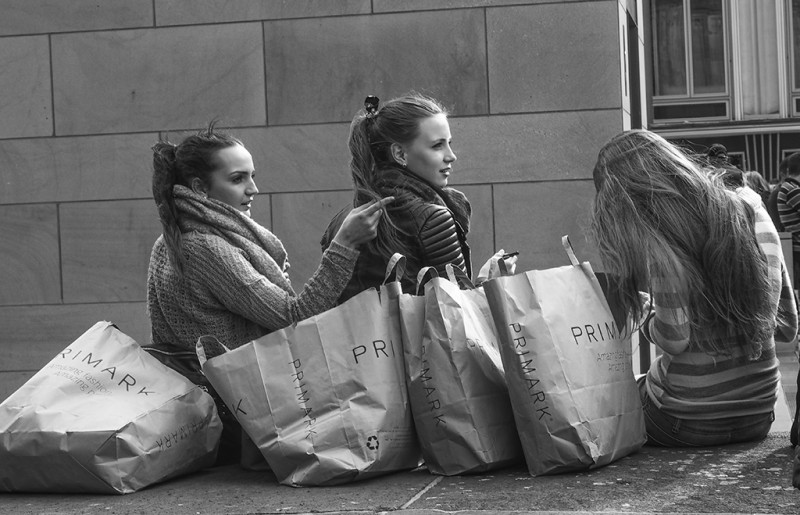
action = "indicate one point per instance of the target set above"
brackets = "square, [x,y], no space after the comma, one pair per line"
[741,478]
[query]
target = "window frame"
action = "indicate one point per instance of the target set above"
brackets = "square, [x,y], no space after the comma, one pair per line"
[691,97]
[789,93]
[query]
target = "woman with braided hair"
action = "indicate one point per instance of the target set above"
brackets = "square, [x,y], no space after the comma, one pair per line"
[214,271]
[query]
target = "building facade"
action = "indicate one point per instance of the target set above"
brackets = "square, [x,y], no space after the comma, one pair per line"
[725,71]
[535,88]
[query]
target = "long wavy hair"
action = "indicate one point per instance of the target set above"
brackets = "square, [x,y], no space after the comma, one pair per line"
[371,138]
[658,214]
[193,158]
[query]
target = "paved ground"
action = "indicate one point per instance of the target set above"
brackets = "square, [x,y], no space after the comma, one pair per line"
[744,478]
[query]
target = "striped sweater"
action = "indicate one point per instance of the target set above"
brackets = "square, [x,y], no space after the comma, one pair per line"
[695,385]
[789,209]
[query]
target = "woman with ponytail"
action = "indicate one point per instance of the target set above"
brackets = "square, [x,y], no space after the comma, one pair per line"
[719,294]
[215,271]
[402,149]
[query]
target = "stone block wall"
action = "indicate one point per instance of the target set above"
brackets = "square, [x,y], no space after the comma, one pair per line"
[534,88]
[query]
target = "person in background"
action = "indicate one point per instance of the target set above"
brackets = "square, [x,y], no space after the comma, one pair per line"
[756,182]
[716,161]
[719,294]
[402,149]
[215,271]
[789,206]
[717,155]
[772,201]
[789,212]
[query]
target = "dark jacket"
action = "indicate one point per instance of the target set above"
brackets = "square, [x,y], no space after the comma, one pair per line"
[432,228]
[772,208]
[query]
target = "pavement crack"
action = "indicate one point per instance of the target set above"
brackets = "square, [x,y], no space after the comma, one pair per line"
[419,494]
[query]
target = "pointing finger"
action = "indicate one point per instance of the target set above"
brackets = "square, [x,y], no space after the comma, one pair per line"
[377,206]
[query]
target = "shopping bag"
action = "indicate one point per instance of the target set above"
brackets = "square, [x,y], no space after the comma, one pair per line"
[457,388]
[325,400]
[568,368]
[104,416]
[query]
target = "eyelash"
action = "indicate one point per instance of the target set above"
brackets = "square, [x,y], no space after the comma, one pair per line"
[240,178]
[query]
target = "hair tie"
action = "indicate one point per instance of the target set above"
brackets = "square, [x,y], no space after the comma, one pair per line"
[371,105]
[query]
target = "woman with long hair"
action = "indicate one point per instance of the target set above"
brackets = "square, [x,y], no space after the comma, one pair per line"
[215,271]
[402,148]
[710,259]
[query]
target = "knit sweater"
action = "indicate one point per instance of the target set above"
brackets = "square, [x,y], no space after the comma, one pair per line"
[695,385]
[221,293]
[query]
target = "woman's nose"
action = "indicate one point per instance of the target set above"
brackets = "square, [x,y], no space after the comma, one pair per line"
[252,189]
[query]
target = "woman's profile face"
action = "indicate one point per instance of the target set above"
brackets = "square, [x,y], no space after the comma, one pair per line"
[232,182]
[429,155]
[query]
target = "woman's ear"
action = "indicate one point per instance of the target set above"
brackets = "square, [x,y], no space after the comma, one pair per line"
[399,154]
[198,187]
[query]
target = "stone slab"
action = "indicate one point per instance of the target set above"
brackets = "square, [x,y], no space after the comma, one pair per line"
[158,79]
[47,16]
[530,147]
[76,168]
[303,54]
[29,246]
[105,249]
[192,12]
[26,109]
[583,74]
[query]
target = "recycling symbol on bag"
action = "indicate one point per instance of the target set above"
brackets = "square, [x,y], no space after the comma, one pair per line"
[372,443]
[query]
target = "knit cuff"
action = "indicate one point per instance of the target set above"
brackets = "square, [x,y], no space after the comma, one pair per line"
[344,253]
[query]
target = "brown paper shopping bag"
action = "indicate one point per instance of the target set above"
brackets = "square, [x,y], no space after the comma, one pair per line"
[459,398]
[325,400]
[104,416]
[568,368]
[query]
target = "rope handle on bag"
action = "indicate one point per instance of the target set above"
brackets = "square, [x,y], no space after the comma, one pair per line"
[570,253]
[201,350]
[421,275]
[458,277]
[396,265]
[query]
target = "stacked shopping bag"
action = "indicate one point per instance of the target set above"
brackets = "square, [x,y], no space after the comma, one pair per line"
[531,367]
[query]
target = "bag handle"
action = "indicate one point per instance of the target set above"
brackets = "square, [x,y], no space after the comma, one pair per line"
[201,350]
[396,266]
[501,264]
[422,273]
[570,253]
[458,277]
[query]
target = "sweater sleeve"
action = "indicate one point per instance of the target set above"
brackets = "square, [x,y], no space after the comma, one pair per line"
[231,279]
[786,307]
[789,206]
[669,327]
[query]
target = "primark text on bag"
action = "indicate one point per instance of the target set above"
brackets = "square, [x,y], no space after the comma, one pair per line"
[568,368]
[457,388]
[104,416]
[325,400]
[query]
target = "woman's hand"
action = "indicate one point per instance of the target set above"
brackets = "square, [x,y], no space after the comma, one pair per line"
[491,268]
[361,224]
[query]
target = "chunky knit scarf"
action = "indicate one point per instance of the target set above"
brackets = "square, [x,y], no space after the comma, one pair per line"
[395,181]
[262,248]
